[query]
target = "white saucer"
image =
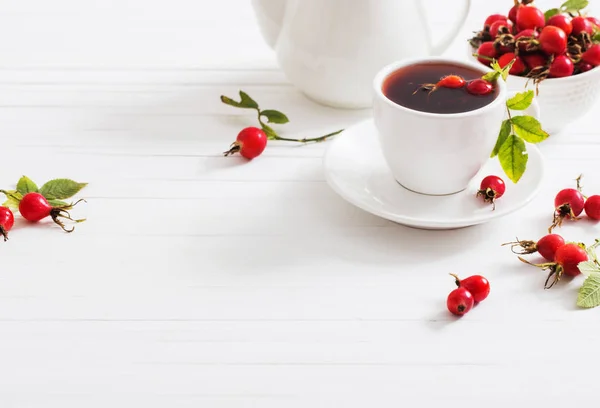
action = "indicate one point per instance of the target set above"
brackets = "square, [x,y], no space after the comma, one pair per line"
[356,170]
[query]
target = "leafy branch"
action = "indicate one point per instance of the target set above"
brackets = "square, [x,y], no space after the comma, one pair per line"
[271,116]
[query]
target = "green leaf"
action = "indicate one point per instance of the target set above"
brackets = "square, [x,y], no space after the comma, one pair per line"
[529,128]
[26,185]
[589,293]
[59,203]
[513,157]
[496,72]
[588,267]
[573,6]
[59,189]
[13,198]
[520,101]
[596,37]
[551,12]
[246,102]
[504,132]
[274,116]
[271,134]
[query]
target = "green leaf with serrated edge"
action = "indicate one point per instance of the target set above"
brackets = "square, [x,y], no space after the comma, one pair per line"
[26,185]
[520,101]
[513,157]
[589,293]
[506,70]
[247,101]
[59,189]
[588,267]
[59,203]
[573,6]
[274,116]
[271,135]
[504,132]
[529,128]
[551,12]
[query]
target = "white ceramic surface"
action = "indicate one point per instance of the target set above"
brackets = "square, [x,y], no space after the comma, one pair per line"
[356,170]
[562,100]
[435,153]
[332,49]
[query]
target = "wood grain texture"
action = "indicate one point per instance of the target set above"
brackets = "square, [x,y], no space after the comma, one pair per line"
[204,281]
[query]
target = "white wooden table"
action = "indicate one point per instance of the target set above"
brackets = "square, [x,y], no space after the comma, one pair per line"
[204,281]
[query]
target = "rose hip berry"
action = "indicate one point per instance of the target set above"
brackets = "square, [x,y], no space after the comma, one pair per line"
[449,81]
[501,27]
[553,40]
[512,14]
[566,261]
[534,60]
[592,207]
[492,19]
[491,188]
[524,39]
[568,203]
[594,21]
[480,87]
[582,25]
[545,246]
[250,143]
[562,66]
[584,67]
[460,301]
[35,207]
[487,52]
[477,285]
[592,55]
[7,221]
[561,21]
[518,66]
[530,17]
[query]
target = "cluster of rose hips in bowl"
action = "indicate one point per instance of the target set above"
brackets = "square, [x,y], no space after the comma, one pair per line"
[556,52]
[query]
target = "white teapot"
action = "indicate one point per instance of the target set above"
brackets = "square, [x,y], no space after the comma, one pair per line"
[332,49]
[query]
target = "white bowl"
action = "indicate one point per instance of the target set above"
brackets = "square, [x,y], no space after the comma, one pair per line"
[562,100]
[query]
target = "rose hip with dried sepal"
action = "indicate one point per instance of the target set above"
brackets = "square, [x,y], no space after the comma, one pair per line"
[566,261]
[501,27]
[568,204]
[545,246]
[553,40]
[250,143]
[7,220]
[478,285]
[486,52]
[491,188]
[448,81]
[525,39]
[34,207]
[518,66]
[592,55]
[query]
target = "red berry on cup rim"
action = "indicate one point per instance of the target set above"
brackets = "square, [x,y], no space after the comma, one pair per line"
[491,188]
[592,207]
[518,66]
[553,40]
[460,301]
[582,25]
[480,87]
[530,17]
[7,221]
[500,27]
[561,21]
[592,55]
[487,52]
[492,19]
[562,66]
[478,285]
[250,143]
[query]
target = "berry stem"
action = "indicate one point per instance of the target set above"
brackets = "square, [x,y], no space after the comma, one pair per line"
[456,279]
[4,233]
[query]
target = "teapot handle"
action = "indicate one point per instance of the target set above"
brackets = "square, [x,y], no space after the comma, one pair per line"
[440,48]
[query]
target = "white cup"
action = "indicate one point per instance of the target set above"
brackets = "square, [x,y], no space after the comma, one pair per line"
[434,153]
